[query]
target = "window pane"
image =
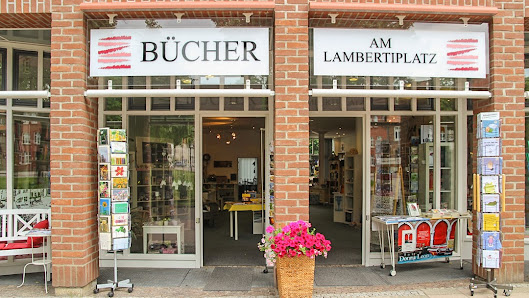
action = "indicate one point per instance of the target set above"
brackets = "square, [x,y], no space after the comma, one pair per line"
[160,82]
[209,103]
[332,103]
[313,103]
[3,165]
[185,103]
[46,71]
[355,82]
[25,76]
[160,104]
[402,104]
[113,121]
[163,191]
[448,104]
[258,104]
[379,104]
[234,104]
[448,157]
[113,103]
[31,161]
[425,104]
[2,74]
[355,103]
[137,103]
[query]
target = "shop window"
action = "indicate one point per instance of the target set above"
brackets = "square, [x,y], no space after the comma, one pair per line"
[379,104]
[185,103]
[402,104]
[313,103]
[3,161]
[258,103]
[258,82]
[25,75]
[407,83]
[160,82]
[470,105]
[32,172]
[379,83]
[234,82]
[448,84]
[332,103]
[209,103]
[355,103]
[327,82]
[425,104]
[113,121]
[209,82]
[137,103]
[160,104]
[470,169]
[424,84]
[233,104]
[448,104]
[46,71]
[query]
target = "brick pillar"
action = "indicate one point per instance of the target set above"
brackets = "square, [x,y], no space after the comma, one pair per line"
[507,88]
[75,251]
[291,131]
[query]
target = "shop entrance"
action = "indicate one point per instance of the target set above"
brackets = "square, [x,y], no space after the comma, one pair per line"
[336,197]
[232,172]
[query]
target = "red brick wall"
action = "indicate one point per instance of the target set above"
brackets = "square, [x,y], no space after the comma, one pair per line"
[507,87]
[291,131]
[73,152]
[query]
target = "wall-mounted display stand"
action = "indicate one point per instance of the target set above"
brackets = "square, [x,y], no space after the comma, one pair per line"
[489,202]
[113,193]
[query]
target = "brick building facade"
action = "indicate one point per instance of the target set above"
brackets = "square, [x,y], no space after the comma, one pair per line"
[74,117]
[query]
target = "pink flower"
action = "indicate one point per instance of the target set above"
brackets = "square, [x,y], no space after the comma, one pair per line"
[270,229]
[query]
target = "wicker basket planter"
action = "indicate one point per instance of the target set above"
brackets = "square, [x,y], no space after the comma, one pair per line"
[295,276]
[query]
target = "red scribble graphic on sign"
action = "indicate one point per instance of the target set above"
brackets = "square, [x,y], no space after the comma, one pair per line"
[113,52]
[461,57]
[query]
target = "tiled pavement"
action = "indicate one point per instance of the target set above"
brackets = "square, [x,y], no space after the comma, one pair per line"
[419,279]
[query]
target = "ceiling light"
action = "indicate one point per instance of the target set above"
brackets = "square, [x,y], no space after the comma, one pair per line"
[228,142]
[218,136]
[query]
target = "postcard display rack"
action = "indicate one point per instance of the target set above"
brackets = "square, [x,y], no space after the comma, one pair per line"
[113,193]
[489,201]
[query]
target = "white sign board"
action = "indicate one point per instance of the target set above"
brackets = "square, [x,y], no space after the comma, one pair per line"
[179,51]
[411,53]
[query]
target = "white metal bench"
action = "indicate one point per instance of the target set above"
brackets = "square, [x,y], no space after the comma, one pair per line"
[14,224]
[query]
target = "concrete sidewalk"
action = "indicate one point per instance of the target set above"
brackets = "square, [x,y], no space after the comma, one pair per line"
[329,281]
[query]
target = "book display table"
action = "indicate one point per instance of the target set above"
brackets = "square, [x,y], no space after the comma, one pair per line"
[171,229]
[418,238]
[235,208]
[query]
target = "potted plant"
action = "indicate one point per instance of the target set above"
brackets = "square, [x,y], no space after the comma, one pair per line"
[293,250]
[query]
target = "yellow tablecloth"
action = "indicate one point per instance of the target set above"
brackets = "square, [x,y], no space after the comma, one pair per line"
[244,207]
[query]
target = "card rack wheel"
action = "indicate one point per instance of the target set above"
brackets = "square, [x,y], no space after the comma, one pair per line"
[111,293]
[471,293]
[507,292]
[131,289]
[392,273]
[96,290]
[265,271]
[447,260]
[382,266]
[495,295]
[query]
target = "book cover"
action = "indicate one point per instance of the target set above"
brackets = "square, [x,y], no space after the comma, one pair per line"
[120,231]
[490,184]
[118,159]
[104,171]
[490,165]
[120,182]
[119,171]
[104,207]
[491,222]
[104,224]
[120,195]
[120,243]
[491,258]
[105,241]
[103,154]
[489,147]
[489,129]
[118,135]
[118,147]
[120,207]
[103,136]
[490,241]
[408,241]
[120,219]
[491,202]
[104,189]
[488,116]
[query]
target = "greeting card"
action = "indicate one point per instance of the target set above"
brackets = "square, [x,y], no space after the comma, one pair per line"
[102,136]
[118,147]
[105,241]
[491,222]
[118,135]
[490,241]
[119,171]
[103,153]
[489,129]
[118,159]
[104,189]
[120,207]
[120,182]
[490,184]
[121,195]
[104,224]
[120,231]
[491,258]
[491,202]
[120,219]
[104,171]
[490,165]
[489,147]
[121,243]
[104,207]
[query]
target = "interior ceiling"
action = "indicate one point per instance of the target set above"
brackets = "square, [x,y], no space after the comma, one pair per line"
[333,127]
[232,123]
